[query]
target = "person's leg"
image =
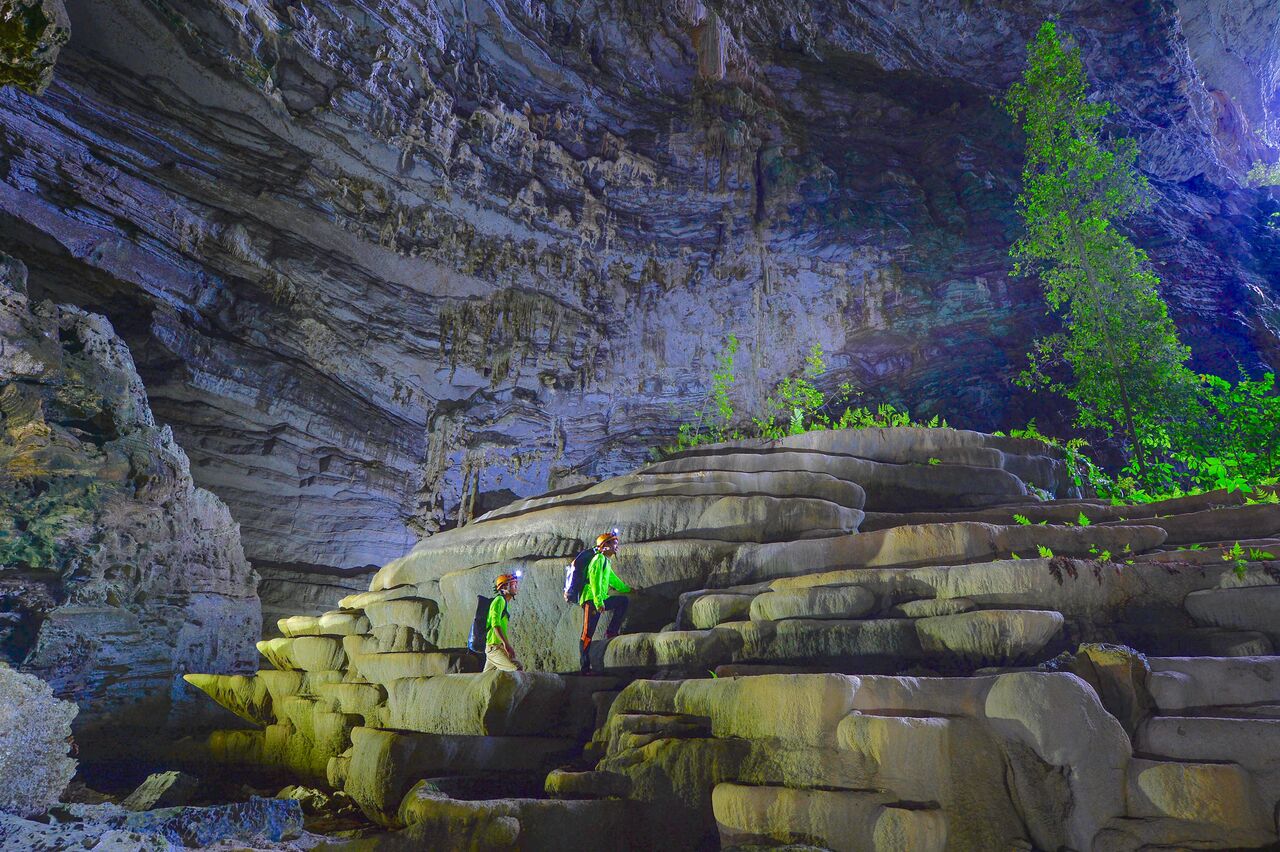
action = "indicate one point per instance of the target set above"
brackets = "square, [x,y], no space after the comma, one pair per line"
[618,606]
[495,657]
[590,616]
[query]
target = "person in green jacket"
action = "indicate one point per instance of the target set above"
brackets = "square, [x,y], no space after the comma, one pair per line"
[498,651]
[595,598]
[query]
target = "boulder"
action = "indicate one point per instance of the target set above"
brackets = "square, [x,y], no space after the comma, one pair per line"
[1121,676]
[162,790]
[35,733]
[565,784]
[801,709]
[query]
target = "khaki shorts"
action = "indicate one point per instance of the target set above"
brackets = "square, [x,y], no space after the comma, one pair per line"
[495,657]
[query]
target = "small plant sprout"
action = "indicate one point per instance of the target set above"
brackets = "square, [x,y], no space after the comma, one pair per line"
[1236,554]
[1022,520]
[935,461]
[1083,520]
[1045,552]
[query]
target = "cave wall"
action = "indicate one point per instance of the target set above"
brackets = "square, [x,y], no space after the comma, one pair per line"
[384,264]
[117,574]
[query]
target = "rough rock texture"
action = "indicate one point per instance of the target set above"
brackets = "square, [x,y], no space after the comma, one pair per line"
[34,732]
[259,824]
[807,705]
[389,265]
[31,34]
[117,574]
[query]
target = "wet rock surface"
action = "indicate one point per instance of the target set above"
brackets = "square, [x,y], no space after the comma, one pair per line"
[434,257]
[117,574]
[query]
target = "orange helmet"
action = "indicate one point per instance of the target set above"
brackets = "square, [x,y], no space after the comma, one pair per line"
[504,580]
[606,538]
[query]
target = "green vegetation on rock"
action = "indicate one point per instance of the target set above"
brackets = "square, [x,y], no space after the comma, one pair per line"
[796,405]
[1118,359]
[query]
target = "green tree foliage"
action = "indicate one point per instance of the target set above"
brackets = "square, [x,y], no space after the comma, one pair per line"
[1127,366]
[712,427]
[795,406]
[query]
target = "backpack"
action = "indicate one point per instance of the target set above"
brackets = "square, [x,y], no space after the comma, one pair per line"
[479,625]
[575,576]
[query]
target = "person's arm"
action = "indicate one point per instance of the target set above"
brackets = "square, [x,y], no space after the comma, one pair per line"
[614,580]
[506,643]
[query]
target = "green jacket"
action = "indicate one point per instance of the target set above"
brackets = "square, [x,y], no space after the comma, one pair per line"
[600,578]
[499,615]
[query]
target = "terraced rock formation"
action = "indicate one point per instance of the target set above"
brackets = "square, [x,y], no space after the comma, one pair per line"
[117,574]
[842,639]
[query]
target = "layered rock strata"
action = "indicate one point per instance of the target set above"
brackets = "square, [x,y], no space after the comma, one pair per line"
[387,267]
[903,688]
[117,574]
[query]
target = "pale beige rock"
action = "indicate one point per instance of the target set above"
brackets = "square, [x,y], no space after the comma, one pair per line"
[281,684]
[700,648]
[930,607]
[1229,524]
[367,700]
[491,704]
[1254,744]
[244,695]
[385,765]
[799,640]
[394,637]
[1179,684]
[1251,608]
[787,483]
[889,487]
[1079,542]
[836,819]
[1059,717]
[709,610]
[305,653]
[379,594]
[384,668]
[989,635]
[801,709]
[821,602]
[420,614]
[1217,794]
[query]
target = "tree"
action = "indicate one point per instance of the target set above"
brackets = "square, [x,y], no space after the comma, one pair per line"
[1127,366]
